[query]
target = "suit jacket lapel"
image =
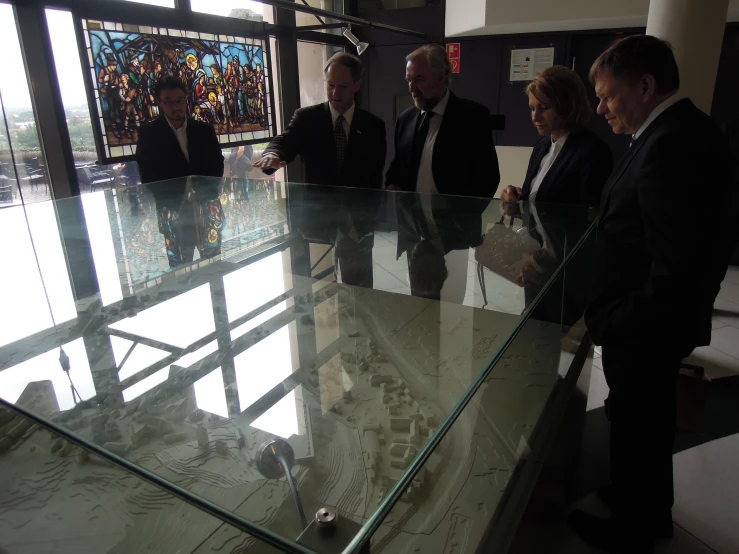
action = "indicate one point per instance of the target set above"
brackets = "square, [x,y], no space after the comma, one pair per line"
[626,160]
[616,175]
[174,143]
[532,170]
[355,129]
[552,176]
[623,166]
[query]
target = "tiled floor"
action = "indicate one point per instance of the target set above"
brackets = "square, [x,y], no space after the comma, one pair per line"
[706,509]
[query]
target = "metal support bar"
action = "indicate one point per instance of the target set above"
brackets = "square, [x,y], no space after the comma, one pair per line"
[157,16]
[305,3]
[183,5]
[286,4]
[320,38]
[287,69]
[331,247]
[320,27]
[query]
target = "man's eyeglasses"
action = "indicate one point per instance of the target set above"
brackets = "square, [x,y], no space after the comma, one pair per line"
[173,102]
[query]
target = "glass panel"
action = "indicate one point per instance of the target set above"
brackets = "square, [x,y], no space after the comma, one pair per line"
[63,499]
[493,454]
[250,312]
[23,174]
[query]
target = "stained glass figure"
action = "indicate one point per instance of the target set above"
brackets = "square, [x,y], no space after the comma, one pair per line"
[228,82]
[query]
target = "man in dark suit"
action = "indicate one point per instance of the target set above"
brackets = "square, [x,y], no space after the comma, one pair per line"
[427,140]
[658,269]
[174,145]
[171,147]
[340,145]
[428,136]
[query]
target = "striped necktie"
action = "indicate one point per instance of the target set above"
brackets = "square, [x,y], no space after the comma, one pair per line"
[340,140]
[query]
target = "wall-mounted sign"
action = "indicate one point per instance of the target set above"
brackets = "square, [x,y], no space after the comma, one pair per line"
[453,51]
[527,63]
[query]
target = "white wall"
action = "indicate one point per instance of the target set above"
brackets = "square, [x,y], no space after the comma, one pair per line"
[529,16]
[513,161]
[463,15]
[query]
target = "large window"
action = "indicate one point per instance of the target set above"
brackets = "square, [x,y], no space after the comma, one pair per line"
[241,9]
[23,173]
[312,59]
[93,176]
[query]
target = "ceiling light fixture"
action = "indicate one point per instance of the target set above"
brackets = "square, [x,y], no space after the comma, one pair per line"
[361,46]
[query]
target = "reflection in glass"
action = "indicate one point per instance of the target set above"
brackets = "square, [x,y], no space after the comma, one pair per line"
[264,366]
[179,321]
[101,243]
[210,393]
[252,286]
[46,367]
[41,289]
[139,359]
[145,385]
[281,419]
[23,169]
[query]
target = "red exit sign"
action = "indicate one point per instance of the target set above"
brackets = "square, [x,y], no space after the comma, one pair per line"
[453,51]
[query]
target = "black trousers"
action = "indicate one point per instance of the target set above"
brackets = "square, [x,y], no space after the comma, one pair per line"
[641,409]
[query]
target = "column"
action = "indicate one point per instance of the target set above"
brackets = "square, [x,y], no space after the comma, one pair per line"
[695,28]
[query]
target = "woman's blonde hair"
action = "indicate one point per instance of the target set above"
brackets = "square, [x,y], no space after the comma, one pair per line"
[565,92]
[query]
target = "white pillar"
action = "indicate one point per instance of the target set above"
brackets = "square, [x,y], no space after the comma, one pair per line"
[695,28]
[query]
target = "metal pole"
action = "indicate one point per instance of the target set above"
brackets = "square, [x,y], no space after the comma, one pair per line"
[341,17]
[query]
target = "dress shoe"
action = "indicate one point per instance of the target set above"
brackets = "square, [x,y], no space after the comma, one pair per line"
[662,528]
[604,534]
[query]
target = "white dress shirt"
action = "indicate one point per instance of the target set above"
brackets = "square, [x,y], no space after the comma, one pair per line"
[546,164]
[425,180]
[181,135]
[348,116]
[656,112]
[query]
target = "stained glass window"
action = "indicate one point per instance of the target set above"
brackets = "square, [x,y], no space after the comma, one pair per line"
[228,81]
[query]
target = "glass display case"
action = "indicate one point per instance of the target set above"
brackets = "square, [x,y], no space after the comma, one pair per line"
[283,367]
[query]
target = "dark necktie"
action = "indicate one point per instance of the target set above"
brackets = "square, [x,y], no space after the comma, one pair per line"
[340,140]
[420,140]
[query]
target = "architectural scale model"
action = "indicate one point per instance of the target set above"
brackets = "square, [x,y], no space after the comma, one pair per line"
[393,368]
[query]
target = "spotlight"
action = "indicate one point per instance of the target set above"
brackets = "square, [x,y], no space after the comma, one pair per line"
[361,46]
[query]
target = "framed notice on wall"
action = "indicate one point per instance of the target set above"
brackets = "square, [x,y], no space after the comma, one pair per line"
[527,63]
[228,80]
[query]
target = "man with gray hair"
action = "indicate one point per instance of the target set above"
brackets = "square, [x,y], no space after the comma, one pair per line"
[427,136]
[427,139]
